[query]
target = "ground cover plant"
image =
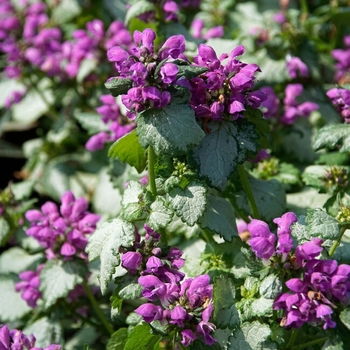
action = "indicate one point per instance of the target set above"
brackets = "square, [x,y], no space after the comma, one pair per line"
[175,174]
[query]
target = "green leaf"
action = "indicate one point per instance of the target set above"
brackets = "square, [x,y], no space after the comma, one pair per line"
[65,11]
[7,87]
[270,287]
[334,343]
[227,145]
[313,175]
[137,9]
[331,136]
[5,231]
[118,339]
[23,189]
[106,199]
[172,130]
[131,202]
[321,225]
[46,332]
[105,244]
[86,335]
[219,217]
[131,291]
[179,94]
[288,175]
[58,278]
[127,287]
[118,86]
[264,192]
[132,193]
[250,336]
[225,312]
[87,66]
[299,231]
[56,178]
[160,215]
[189,204]
[129,150]
[256,117]
[91,122]
[16,260]
[262,307]
[32,107]
[297,143]
[190,71]
[199,344]
[141,338]
[12,306]
[345,317]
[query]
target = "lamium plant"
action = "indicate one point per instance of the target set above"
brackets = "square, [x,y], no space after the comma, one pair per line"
[185,183]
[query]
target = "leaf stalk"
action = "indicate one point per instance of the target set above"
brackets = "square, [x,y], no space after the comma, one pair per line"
[97,308]
[248,191]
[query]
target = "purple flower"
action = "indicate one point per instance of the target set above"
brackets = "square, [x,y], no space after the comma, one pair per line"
[62,232]
[296,66]
[145,39]
[197,27]
[97,141]
[262,240]
[292,108]
[269,106]
[178,315]
[280,18]
[16,340]
[118,124]
[156,98]
[285,222]
[307,251]
[170,9]
[29,286]
[173,47]
[168,73]
[343,60]
[187,337]
[132,261]
[150,312]
[341,100]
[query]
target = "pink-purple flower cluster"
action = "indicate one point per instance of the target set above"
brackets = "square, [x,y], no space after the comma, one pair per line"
[343,62]
[149,84]
[169,10]
[296,66]
[341,100]
[27,36]
[29,286]
[293,109]
[17,340]
[224,90]
[313,298]
[198,32]
[63,231]
[183,304]
[323,284]
[263,241]
[117,123]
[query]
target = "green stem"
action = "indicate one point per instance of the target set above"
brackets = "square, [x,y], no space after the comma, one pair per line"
[336,243]
[51,113]
[163,236]
[312,342]
[71,311]
[292,339]
[304,7]
[97,308]
[248,191]
[151,174]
